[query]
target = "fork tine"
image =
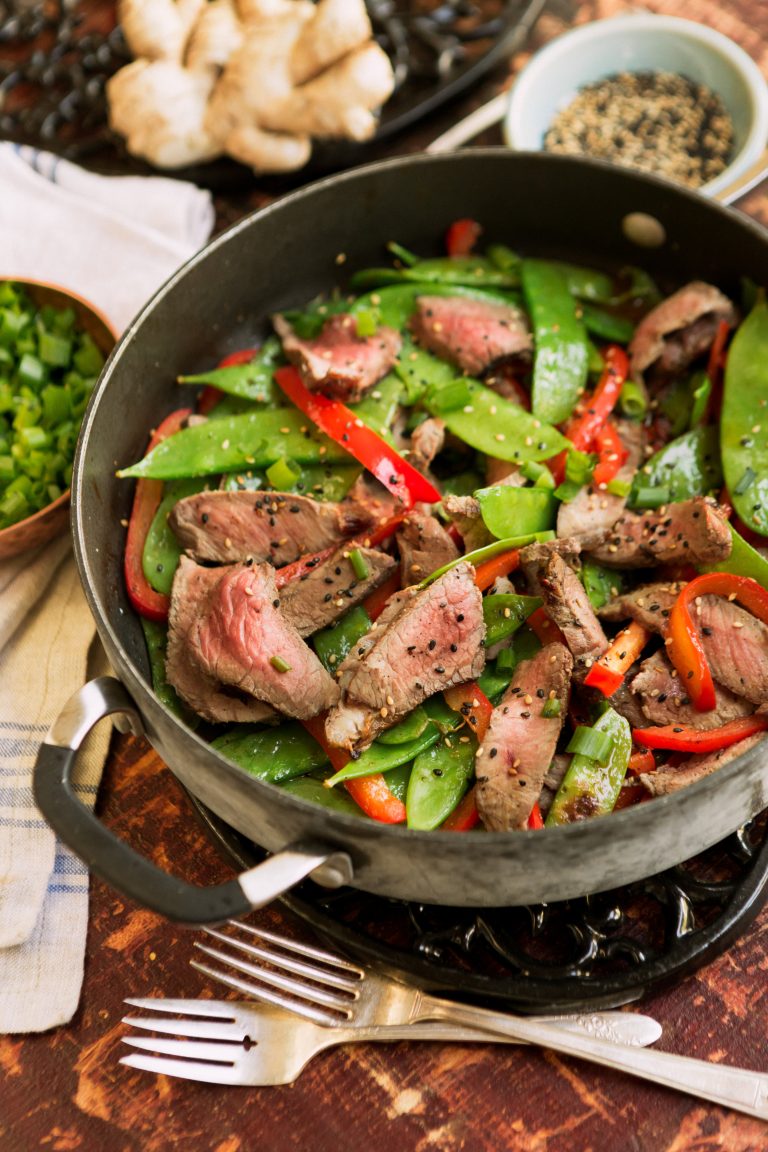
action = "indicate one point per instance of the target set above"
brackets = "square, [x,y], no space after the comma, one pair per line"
[224,1009]
[268,996]
[207,1073]
[296,987]
[302,949]
[197,1029]
[330,979]
[192,1050]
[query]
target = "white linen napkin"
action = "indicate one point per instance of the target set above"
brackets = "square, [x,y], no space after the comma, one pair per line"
[114,241]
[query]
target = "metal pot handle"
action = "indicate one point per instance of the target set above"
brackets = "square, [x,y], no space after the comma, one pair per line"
[119,865]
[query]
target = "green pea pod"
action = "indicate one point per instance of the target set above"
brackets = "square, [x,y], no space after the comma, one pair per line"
[379,408]
[251,381]
[607,325]
[688,466]
[395,303]
[251,440]
[490,424]
[744,419]
[408,729]
[508,511]
[160,558]
[439,778]
[599,583]
[336,799]
[398,780]
[590,788]
[586,283]
[333,644]
[744,560]
[675,401]
[561,355]
[381,757]
[271,754]
[505,612]
[420,370]
[464,271]
[156,638]
[494,680]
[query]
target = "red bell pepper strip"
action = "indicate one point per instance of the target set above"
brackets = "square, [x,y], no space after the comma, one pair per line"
[715,368]
[374,604]
[340,423]
[640,762]
[461,237]
[535,819]
[583,429]
[473,704]
[677,738]
[501,565]
[544,629]
[464,816]
[371,793]
[611,453]
[146,500]
[686,650]
[607,673]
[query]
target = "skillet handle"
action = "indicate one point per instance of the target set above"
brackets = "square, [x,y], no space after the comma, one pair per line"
[117,863]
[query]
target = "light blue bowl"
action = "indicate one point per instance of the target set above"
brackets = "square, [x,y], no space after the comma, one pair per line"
[639,42]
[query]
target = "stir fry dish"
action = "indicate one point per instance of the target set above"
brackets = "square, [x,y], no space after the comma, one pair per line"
[477,541]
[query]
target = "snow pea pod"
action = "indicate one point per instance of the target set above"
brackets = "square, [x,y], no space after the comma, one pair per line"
[600,583]
[590,788]
[379,408]
[561,356]
[439,778]
[744,560]
[688,466]
[316,793]
[408,729]
[607,325]
[495,426]
[504,613]
[156,639]
[395,304]
[333,644]
[508,511]
[160,557]
[586,283]
[251,440]
[251,381]
[464,271]
[420,370]
[272,754]
[744,419]
[381,757]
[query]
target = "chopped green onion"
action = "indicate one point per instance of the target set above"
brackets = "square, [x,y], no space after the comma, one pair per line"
[54,350]
[365,323]
[359,566]
[31,370]
[579,466]
[749,476]
[618,487]
[551,709]
[651,497]
[506,661]
[283,474]
[633,399]
[592,743]
[279,664]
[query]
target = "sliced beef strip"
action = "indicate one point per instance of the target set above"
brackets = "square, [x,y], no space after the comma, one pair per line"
[668,780]
[552,781]
[338,362]
[424,642]
[695,531]
[472,334]
[520,743]
[649,605]
[663,698]
[735,644]
[567,605]
[226,527]
[242,629]
[192,587]
[424,547]
[623,702]
[427,441]
[370,501]
[464,511]
[679,329]
[590,516]
[322,595]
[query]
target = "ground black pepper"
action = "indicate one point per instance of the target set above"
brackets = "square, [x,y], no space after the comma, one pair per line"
[658,121]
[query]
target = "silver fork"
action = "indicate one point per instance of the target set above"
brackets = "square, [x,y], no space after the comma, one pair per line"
[235,1043]
[320,986]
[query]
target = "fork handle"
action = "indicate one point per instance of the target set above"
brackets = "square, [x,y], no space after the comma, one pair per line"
[737,1088]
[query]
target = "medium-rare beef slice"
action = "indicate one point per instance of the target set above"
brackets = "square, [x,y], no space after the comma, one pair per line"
[425,641]
[465,513]
[592,513]
[568,606]
[679,329]
[667,780]
[226,526]
[338,362]
[325,592]
[427,441]
[206,696]
[664,700]
[650,605]
[472,334]
[519,746]
[694,531]
[424,547]
[242,639]
[735,644]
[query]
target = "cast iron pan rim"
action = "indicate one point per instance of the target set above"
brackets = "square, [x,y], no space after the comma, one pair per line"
[606,171]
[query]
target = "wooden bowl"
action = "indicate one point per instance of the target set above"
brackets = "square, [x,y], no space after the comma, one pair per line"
[53,519]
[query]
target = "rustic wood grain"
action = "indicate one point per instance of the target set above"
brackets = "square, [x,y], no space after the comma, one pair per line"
[66,1092]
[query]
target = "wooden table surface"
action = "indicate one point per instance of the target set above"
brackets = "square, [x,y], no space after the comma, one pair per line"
[65,1091]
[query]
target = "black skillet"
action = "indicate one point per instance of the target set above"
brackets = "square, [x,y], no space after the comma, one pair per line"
[281,257]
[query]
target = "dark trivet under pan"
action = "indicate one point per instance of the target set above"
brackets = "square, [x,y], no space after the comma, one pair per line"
[593,952]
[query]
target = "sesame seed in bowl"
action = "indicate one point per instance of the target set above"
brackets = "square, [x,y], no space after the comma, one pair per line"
[658,93]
